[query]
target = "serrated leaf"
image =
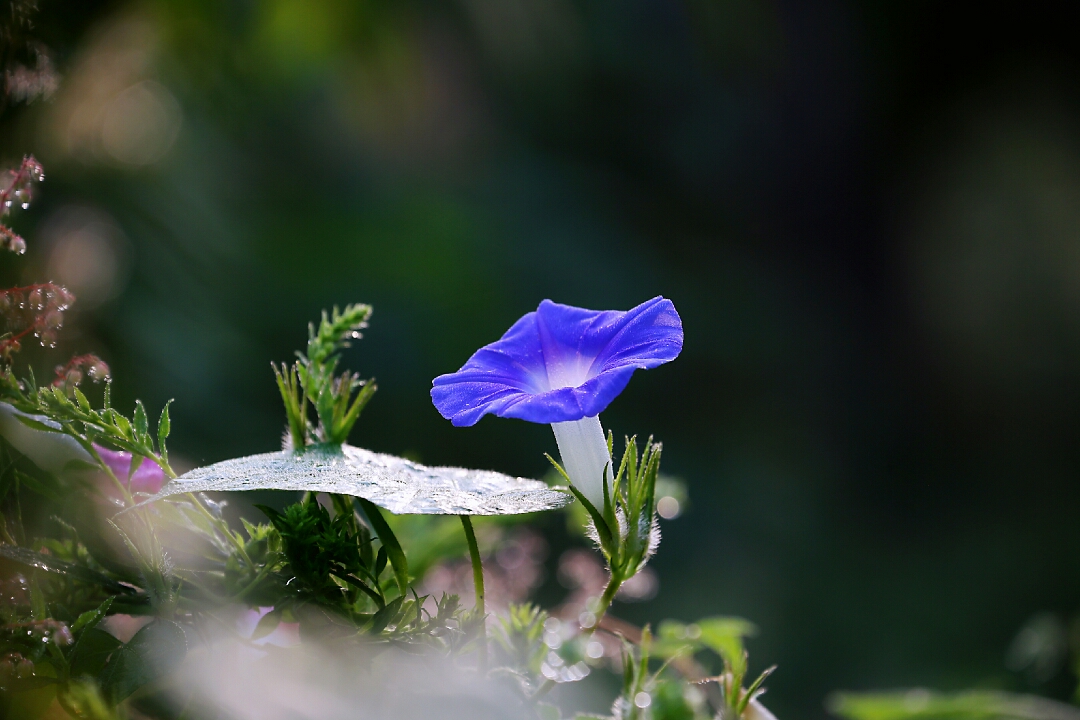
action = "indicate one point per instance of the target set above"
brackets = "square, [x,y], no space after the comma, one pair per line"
[150,654]
[393,483]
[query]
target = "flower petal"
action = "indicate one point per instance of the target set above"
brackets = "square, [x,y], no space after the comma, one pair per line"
[560,363]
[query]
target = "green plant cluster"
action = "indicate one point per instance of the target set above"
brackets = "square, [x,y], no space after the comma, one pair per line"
[82,549]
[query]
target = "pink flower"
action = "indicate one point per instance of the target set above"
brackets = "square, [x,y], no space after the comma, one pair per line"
[148,478]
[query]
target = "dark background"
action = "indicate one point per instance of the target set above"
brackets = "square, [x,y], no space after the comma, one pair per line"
[868,215]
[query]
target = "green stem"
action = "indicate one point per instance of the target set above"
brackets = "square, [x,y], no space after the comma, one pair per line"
[223,527]
[613,586]
[478,584]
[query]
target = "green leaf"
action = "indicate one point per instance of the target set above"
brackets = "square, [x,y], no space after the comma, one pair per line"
[90,618]
[386,615]
[92,651]
[41,488]
[380,562]
[83,402]
[37,424]
[121,423]
[724,635]
[39,609]
[267,624]
[164,427]
[607,541]
[968,705]
[150,654]
[142,425]
[389,542]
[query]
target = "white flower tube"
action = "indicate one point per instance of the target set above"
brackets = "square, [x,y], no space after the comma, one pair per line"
[584,451]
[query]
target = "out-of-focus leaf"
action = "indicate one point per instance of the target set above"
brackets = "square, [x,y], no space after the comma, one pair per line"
[927,705]
[92,651]
[267,624]
[150,654]
[725,636]
[547,711]
[50,564]
[396,484]
[34,485]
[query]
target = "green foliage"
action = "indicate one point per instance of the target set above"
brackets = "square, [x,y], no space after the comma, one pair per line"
[150,654]
[311,379]
[520,638]
[722,635]
[626,527]
[918,704]
[341,571]
[323,556]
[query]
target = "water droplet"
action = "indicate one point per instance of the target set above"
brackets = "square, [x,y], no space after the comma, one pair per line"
[25,205]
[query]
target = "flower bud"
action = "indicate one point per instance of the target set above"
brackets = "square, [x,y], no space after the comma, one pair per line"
[37,299]
[64,298]
[98,371]
[54,319]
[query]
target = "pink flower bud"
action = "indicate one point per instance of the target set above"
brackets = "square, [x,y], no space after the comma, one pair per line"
[54,319]
[98,371]
[37,299]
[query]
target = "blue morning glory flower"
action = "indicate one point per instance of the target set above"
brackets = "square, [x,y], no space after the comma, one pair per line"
[563,365]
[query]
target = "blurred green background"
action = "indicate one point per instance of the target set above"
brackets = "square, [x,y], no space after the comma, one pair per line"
[868,215]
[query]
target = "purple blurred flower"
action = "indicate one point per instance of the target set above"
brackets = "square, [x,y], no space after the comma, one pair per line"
[563,365]
[148,478]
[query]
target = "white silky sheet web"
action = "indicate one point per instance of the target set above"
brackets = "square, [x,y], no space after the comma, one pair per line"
[396,484]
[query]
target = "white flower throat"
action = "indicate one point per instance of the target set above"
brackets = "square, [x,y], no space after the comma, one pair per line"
[584,451]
